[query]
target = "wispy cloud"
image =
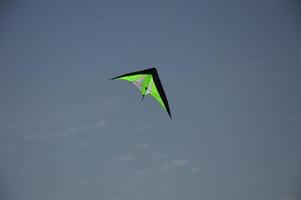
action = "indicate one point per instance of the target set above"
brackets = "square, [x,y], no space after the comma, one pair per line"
[82,183]
[142,172]
[160,157]
[74,131]
[174,164]
[10,148]
[25,166]
[125,157]
[141,128]
[80,145]
[100,123]
[194,169]
[36,136]
[179,163]
[143,146]
[71,132]
[31,137]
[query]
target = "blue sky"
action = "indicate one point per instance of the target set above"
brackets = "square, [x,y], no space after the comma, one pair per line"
[67,132]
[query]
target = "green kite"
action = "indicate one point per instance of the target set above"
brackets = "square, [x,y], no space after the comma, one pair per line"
[148,82]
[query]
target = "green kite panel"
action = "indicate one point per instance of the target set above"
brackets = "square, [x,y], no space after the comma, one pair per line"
[148,83]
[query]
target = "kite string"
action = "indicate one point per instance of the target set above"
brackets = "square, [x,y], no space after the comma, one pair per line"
[244,65]
[235,113]
[226,67]
[244,114]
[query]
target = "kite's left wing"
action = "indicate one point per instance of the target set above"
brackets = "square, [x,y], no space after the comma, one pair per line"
[148,82]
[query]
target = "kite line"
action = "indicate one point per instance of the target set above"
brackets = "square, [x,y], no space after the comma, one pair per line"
[244,65]
[237,113]
[226,67]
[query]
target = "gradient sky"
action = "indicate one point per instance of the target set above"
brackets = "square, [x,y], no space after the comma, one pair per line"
[67,132]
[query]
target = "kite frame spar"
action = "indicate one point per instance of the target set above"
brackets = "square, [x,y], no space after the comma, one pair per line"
[155,76]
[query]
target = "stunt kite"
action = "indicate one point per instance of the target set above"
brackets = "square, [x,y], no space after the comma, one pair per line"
[148,82]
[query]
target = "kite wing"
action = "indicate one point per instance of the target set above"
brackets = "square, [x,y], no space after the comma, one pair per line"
[148,82]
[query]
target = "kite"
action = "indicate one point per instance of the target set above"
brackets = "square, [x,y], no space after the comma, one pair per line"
[148,82]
